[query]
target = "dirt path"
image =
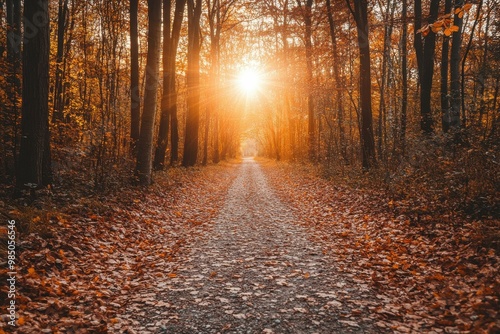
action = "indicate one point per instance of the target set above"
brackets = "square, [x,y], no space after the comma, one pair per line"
[256,272]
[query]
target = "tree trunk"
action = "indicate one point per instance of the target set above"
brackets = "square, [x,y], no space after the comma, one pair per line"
[205,142]
[174,134]
[193,85]
[14,35]
[58,110]
[445,54]
[135,89]
[145,144]
[338,82]
[464,60]
[34,157]
[389,22]
[14,59]
[453,119]
[310,99]
[483,74]
[171,35]
[404,70]
[213,15]
[360,13]
[311,128]
[426,65]
[216,139]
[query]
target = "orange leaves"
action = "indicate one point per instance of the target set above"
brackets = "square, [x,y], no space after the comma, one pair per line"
[32,273]
[444,24]
[435,273]
[460,11]
[100,253]
[449,30]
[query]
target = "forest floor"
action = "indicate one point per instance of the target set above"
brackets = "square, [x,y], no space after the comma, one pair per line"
[247,247]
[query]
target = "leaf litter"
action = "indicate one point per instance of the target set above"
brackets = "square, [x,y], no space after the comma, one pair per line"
[257,271]
[277,250]
[431,278]
[99,253]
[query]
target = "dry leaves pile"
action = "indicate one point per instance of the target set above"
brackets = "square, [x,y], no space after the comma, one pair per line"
[428,278]
[97,251]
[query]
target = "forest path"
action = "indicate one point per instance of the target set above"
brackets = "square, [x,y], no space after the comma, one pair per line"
[255,272]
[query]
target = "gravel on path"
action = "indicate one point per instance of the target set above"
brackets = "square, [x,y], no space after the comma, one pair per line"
[256,271]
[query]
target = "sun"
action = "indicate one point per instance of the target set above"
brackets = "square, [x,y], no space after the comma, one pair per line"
[249,81]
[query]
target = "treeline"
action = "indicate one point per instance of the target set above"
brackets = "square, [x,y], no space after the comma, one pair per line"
[405,90]
[112,109]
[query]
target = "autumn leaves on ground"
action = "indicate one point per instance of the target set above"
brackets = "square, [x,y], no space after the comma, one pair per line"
[116,263]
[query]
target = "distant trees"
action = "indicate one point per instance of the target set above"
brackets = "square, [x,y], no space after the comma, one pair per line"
[339,84]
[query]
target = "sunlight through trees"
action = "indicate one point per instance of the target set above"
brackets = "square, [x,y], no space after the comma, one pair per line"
[333,82]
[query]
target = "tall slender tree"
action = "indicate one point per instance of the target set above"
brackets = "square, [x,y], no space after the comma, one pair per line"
[465,55]
[62,21]
[455,58]
[193,84]
[135,96]
[425,47]
[360,13]
[214,18]
[145,144]
[338,80]
[34,156]
[14,59]
[171,36]
[445,71]
[384,76]
[404,70]
[311,128]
